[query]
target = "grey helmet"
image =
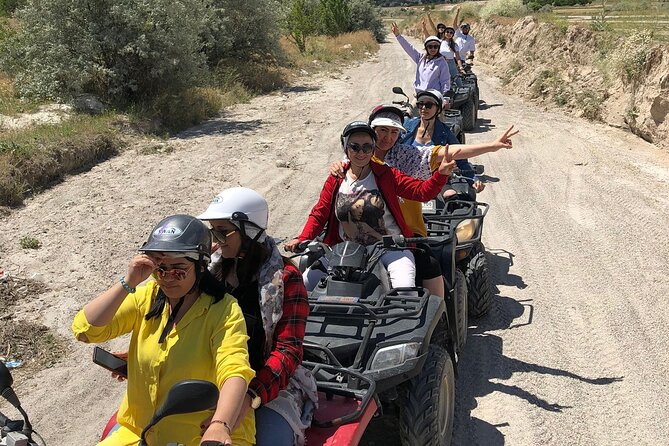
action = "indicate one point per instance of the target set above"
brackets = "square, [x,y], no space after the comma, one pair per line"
[183,234]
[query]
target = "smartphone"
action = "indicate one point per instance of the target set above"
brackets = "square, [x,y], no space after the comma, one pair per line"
[110,362]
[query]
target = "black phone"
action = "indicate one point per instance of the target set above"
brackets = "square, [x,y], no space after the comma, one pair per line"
[110,362]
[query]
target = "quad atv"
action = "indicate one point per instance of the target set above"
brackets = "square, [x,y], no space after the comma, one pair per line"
[377,349]
[465,99]
[470,78]
[463,214]
[451,117]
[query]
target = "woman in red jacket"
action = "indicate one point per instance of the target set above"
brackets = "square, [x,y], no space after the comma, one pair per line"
[364,206]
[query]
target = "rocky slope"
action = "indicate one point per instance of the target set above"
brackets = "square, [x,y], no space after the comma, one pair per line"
[624,84]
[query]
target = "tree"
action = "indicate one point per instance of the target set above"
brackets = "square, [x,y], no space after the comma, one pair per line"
[335,17]
[300,20]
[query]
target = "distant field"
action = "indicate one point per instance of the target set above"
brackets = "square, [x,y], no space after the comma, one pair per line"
[622,15]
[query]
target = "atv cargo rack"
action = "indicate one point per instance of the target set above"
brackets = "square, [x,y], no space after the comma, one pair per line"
[393,305]
[441,225]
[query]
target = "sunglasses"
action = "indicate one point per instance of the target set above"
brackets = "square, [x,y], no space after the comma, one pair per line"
[425,105]
[365,148]
[449,32]
[220,236]
[173,273]
[432,47]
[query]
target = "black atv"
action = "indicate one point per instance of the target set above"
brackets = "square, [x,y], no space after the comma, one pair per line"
[463,214]
[392,350]
[465,99]
[470,78]
[452,118]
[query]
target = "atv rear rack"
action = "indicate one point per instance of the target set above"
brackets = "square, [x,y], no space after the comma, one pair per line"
[391,306]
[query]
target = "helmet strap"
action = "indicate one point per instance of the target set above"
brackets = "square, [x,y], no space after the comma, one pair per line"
[170,320]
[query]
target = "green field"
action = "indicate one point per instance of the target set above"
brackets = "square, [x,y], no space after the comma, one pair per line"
[621,15]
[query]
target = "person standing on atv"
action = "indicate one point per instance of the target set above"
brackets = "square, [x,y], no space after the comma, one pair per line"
[432,71]
[376,187]
[271,293]
[449,49]
[183,325]
[465,41]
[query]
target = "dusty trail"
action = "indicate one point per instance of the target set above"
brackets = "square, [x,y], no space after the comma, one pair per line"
[573,352]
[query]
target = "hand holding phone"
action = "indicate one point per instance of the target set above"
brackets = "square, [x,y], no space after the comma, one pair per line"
[113,363]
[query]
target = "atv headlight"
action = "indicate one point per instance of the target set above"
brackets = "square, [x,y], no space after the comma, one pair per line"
[465,230]
[394,355]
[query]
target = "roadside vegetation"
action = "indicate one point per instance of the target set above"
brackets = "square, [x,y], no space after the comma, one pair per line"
[150,69]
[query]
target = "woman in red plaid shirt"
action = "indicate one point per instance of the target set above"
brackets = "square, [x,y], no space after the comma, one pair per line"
[273,298]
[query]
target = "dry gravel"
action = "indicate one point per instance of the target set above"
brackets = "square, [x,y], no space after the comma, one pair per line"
[573,353]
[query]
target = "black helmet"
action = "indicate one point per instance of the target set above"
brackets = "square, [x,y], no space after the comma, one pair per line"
[441,25]
[386,109]
[183,234]
[356,127]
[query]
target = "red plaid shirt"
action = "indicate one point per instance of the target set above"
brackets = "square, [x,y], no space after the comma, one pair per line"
[286,352]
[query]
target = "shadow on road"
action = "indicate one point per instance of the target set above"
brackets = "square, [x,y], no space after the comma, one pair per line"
[483,105]
[483,125]
[221,125]
[300,89]
[483,365]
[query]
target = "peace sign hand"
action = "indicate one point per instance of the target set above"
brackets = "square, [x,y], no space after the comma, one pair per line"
[395,29]
[504,141]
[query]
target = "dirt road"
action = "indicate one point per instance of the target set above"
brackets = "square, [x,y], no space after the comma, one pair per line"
[574,352]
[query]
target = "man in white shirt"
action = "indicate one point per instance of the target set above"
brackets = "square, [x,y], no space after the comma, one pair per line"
[464,40]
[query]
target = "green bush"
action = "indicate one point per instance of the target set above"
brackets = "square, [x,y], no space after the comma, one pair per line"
[365,16]
[505,8]
[300,19]
[28,242]
[335,17]
[7,7]
[120,50]
[186,108]
[241,29]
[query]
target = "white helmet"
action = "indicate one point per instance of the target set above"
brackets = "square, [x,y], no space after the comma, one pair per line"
[431,39]
[244,207]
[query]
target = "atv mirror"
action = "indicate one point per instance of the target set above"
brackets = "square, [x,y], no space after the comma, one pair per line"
[398,90]
[479,169]
[6,379]
[185,397]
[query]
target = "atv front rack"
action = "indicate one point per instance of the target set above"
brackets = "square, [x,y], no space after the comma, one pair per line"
[441,225]
[393,305]
[341,387]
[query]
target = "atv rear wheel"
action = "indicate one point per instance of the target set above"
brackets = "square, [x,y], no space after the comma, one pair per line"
[479,297]
[461,310]
[469,114]
[427,405]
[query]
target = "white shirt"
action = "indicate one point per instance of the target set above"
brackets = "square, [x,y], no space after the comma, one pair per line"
[465,43]
[446,51]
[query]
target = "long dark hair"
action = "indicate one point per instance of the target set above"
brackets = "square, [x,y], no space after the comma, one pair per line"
[252,255]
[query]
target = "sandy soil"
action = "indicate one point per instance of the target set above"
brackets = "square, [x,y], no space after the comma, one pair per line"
[571,354]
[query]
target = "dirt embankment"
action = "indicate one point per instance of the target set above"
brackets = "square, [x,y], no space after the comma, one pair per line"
[565,67]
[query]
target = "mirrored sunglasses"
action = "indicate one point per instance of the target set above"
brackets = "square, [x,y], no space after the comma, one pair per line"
[171,273]
[222,236]
[432,47]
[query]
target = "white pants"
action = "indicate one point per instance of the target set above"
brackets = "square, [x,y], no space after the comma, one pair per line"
[400,265]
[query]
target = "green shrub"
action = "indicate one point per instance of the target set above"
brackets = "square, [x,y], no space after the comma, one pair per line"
[590,103]
[241,29]
[505,8]
[181,110]
[7,7]
[625,61]
[335,17]
[28,242]
[365,16]
[300,19]
[120,50]
[544,83]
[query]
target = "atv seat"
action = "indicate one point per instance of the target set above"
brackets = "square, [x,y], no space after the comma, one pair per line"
[345,434]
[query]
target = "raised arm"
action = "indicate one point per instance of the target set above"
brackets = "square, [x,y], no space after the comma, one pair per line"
[455,19]
[404,43]
[472,150]
[433,28]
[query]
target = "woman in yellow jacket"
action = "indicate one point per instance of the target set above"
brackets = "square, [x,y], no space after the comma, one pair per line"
[183,326]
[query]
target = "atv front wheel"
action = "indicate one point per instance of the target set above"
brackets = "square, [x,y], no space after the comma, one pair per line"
[461,310]
[479,297]
[427,405]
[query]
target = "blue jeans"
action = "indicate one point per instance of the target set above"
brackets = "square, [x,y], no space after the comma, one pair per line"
[272,429]
[453,70]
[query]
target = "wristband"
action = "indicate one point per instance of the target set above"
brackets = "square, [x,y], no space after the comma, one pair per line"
[126,287]
[224,423]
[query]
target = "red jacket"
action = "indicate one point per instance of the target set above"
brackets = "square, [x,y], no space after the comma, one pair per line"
[392,184]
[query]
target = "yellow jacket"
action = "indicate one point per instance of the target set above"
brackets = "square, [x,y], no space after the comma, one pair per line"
[208,343]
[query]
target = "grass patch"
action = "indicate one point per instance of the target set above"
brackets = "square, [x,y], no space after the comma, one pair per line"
[10,103]
[323,52]
[544,83]
[33,158]
[29,242]
[590,103]
[32,343]
[514,68]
